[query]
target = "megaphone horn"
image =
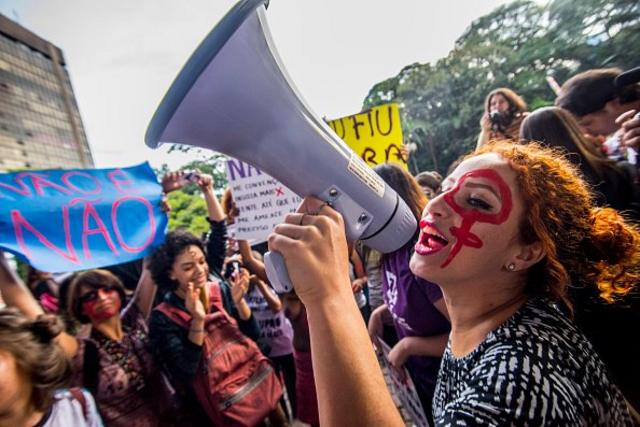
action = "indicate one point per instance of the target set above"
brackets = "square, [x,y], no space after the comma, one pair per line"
[234,96]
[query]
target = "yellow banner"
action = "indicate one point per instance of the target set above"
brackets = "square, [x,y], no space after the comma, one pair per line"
[376,134]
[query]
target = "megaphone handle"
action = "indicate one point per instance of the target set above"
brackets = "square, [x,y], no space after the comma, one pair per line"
[277,272]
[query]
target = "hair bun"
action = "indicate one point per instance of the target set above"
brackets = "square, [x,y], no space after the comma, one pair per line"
[612,239]
[46,327]
[614,251]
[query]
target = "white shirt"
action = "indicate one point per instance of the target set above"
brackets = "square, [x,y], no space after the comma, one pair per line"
[68,412]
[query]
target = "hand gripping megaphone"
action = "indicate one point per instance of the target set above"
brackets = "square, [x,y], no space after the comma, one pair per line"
[234,96]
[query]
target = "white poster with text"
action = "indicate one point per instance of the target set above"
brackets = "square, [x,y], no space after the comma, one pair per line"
[262,201]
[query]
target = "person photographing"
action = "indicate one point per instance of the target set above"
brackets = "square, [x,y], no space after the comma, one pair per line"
[504,111]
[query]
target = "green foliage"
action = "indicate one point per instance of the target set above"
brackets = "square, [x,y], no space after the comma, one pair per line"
[517,46]
[188,211]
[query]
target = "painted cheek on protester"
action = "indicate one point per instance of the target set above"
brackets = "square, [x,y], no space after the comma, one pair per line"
[463,234]
[100,312]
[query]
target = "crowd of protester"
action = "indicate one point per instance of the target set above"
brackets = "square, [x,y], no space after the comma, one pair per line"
[515,302]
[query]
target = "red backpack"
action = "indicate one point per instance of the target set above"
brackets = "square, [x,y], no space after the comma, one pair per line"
[236,384]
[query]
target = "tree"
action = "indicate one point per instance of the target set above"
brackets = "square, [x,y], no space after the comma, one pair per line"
[517,45]
[189,212]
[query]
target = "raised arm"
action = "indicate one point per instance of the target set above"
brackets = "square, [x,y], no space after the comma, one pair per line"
[351,388]
[485,129]
[433,345]
[215,215]
[358,269]
[16,294]
[145,291]
[214,210]
[273,301]
[252,264]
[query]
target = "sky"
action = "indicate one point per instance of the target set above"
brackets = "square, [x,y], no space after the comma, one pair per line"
[123,55]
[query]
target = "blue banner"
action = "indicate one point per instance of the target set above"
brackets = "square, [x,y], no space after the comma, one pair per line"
[76,219]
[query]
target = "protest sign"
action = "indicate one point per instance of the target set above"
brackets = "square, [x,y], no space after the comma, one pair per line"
[76,219]
[262,201]
[375,135]
[404,388]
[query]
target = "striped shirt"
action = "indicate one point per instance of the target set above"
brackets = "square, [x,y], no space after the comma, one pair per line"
[536,369]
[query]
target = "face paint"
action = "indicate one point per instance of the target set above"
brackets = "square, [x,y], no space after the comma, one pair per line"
[105,310]
[463,234]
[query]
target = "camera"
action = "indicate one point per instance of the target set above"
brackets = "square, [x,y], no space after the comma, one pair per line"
[499,120]
[191,177]
[232,267]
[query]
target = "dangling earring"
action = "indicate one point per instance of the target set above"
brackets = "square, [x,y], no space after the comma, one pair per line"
[511,267]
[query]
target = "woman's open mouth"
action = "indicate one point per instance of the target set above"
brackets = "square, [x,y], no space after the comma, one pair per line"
[431,240]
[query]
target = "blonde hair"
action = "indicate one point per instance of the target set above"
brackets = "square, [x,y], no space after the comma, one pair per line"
[37,355]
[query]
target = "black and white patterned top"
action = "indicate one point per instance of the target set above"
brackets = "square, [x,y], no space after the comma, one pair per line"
[536,369]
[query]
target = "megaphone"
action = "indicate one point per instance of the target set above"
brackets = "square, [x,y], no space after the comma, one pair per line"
[235,97]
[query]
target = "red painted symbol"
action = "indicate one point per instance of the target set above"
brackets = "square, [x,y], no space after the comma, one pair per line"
[279,191]
[463,234]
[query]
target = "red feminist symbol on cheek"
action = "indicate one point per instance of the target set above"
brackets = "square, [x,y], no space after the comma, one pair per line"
[463,234]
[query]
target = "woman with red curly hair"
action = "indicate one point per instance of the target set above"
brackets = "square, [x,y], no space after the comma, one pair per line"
[513,225]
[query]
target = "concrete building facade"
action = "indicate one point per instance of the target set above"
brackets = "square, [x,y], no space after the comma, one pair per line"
[40,124]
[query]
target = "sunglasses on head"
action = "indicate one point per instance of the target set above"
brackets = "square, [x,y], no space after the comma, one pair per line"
[93,294]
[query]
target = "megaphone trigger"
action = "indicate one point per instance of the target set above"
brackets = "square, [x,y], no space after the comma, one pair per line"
[277,272]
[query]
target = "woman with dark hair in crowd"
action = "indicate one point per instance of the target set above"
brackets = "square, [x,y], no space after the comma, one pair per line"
[115,361]
[414,306]
[613,183]
[510,225]
[598,318]
[189,345]
[504,111]
[34,370]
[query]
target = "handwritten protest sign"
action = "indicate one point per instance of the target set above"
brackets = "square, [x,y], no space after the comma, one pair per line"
[376,135]
[404,388]
[262,200]
[69,220]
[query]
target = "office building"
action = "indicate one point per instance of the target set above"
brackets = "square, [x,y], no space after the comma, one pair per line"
[40,124]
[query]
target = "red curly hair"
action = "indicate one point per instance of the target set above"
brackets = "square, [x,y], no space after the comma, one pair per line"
[582,244]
